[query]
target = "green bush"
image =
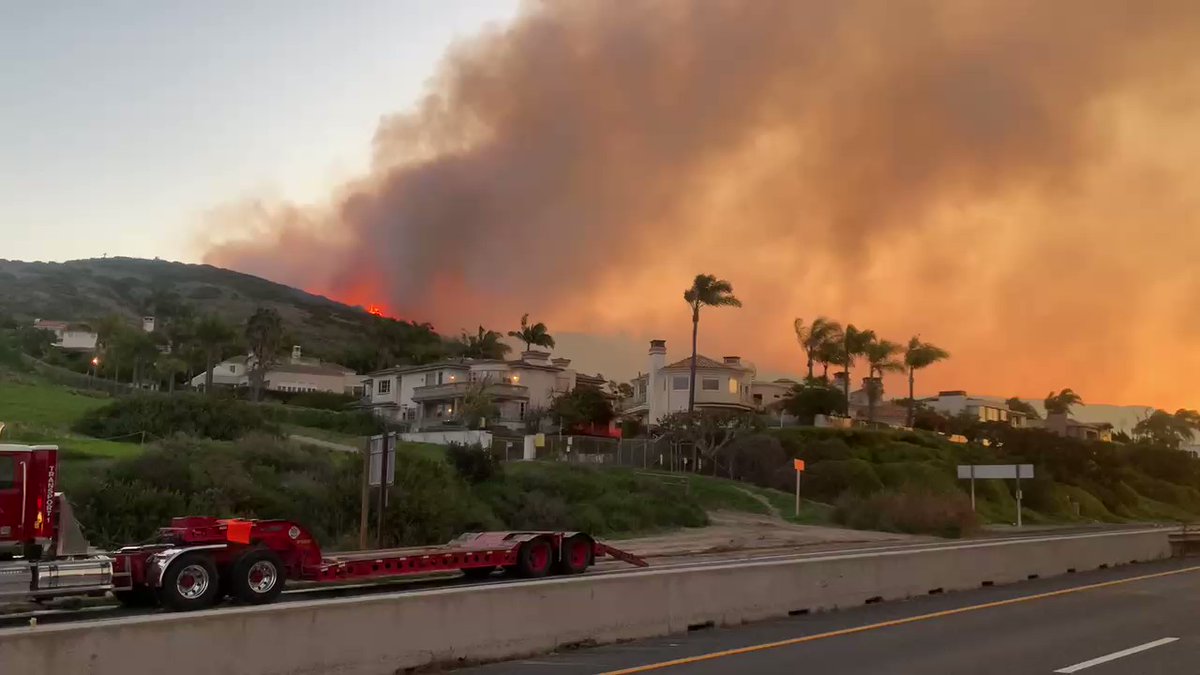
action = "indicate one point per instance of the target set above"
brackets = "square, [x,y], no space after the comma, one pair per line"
[828,480]
[912,512]
[473,463]
[160,416]
[356,423]
[324,400]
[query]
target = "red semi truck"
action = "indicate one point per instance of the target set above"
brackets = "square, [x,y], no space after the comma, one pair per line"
[196,561]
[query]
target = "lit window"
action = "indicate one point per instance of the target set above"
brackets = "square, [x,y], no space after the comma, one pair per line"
[679,383]
[710,384]
[516,379]
[733,386]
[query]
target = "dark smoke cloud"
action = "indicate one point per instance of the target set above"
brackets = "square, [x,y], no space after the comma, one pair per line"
[1013,179]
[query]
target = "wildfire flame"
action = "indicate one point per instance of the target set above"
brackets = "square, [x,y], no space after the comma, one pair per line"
[374,310]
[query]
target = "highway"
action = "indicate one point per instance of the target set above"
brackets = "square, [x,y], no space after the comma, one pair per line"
[109,610]
[1139,619]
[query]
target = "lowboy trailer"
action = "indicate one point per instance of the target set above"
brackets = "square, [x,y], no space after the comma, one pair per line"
[196,561]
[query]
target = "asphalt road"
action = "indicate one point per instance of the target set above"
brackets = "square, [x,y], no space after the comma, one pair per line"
[1143,619]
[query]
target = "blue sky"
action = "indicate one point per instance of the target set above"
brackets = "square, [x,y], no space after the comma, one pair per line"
[122,122]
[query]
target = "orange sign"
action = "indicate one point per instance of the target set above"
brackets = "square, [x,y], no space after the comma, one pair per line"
[798,464]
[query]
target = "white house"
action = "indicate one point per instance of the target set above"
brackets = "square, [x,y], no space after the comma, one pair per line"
[952,403]
[296,374]
[75,337]
[663,390]
[432,395]
[770,395]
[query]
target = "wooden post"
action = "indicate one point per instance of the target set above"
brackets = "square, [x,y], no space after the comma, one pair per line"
[383,488]
[365,502]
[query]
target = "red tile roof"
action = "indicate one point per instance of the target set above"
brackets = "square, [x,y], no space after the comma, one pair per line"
[703,362]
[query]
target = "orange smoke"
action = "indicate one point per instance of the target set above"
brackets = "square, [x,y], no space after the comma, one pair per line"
[1013,179]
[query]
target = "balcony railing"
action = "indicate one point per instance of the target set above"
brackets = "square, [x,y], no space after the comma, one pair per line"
[453,390]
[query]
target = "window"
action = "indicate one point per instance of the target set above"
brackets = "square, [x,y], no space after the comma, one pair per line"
[710,384]
[441,376]
[8,472]
[733,385]
[641,390]
[430,379]
[679,383]
[232,369]
[385,386]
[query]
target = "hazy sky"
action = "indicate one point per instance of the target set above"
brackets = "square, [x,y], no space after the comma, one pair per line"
[122,122]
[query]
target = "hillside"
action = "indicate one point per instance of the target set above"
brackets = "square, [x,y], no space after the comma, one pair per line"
[85,290]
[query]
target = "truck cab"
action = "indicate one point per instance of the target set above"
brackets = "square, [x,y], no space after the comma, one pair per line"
[42,549]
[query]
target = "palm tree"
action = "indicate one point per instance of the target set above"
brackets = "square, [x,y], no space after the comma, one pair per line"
[169,368]
[1015,403]
[1062,402]
[108,334]
[214,337]
[533,335]
[706,290]
[881,358]
[813,337]
[829,352]
[919,355]
[264,335]
[854,345]
[485,344]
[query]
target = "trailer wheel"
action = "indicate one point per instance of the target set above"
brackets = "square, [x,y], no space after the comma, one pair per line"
[190,582]
[136,597]
[534,558]
[258,577]
[576,555]
[478,572]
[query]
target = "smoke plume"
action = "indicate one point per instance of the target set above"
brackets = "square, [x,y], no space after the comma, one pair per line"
[1015,180]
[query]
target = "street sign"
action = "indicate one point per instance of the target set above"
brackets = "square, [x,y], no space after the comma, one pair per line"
[377,450]
[798,464]
[995,471]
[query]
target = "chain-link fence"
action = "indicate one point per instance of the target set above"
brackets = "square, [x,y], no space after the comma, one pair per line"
[642,453]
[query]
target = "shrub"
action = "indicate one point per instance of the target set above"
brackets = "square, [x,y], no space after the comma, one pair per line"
[912,512]
[356,423]
[826,481]
[473,463]
[324,400]
[164,416]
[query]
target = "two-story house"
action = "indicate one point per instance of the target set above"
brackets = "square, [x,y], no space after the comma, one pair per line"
[294,374]
[952,403]
[663,390]
[432,395]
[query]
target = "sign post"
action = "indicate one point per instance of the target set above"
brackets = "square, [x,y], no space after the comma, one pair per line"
[996,472]
[382,475]
[798,465]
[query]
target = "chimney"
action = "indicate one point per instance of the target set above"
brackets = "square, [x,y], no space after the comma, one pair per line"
[148,324]
[733,360]
[655,396]
[839,379]
[295,353]
[561,363]
[535,356]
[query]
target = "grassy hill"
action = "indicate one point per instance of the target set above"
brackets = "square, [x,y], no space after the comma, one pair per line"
[85,290]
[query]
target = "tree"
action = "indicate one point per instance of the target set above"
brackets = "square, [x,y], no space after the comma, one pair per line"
[1062,402]
[169,367]
[264,337]
[829,353]
[814,397]
[36,342]
[1020,406]
[214,337]
[813,338]
[881,358]
[918,356]
[706,290]
[582,406]
[478,404]
[708,431]
[622,390]
[854,345]
[537,334]
[486,344]
[1170,431]
[140,348]
[108,329]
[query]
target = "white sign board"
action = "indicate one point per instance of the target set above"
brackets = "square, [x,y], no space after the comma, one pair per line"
[995,471]
[376,449]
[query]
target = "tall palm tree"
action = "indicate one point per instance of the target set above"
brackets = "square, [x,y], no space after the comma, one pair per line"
[485,344]
[854,345]
[169,367]
[881,358]
[919,355]
[214,337]
[264,336]
[706,290]
[1062,402]
[531,335]
[813,337]
[829,353]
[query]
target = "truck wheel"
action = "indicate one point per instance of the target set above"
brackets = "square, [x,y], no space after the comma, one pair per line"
[258,577]
[136,597]
[576,555]
[534,558]
[190,582]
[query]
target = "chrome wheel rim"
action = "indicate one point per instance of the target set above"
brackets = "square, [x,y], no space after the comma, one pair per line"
[192,582]
[262,576]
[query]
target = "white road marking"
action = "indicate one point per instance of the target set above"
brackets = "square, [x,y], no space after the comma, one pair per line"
[1116,655]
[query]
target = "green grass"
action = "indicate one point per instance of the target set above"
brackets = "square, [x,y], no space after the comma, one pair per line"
[324,435]
[44,405]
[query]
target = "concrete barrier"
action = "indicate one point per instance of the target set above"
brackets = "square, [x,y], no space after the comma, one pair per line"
[384,634]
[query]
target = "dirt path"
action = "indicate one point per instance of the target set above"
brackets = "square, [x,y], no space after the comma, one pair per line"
[764,501]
